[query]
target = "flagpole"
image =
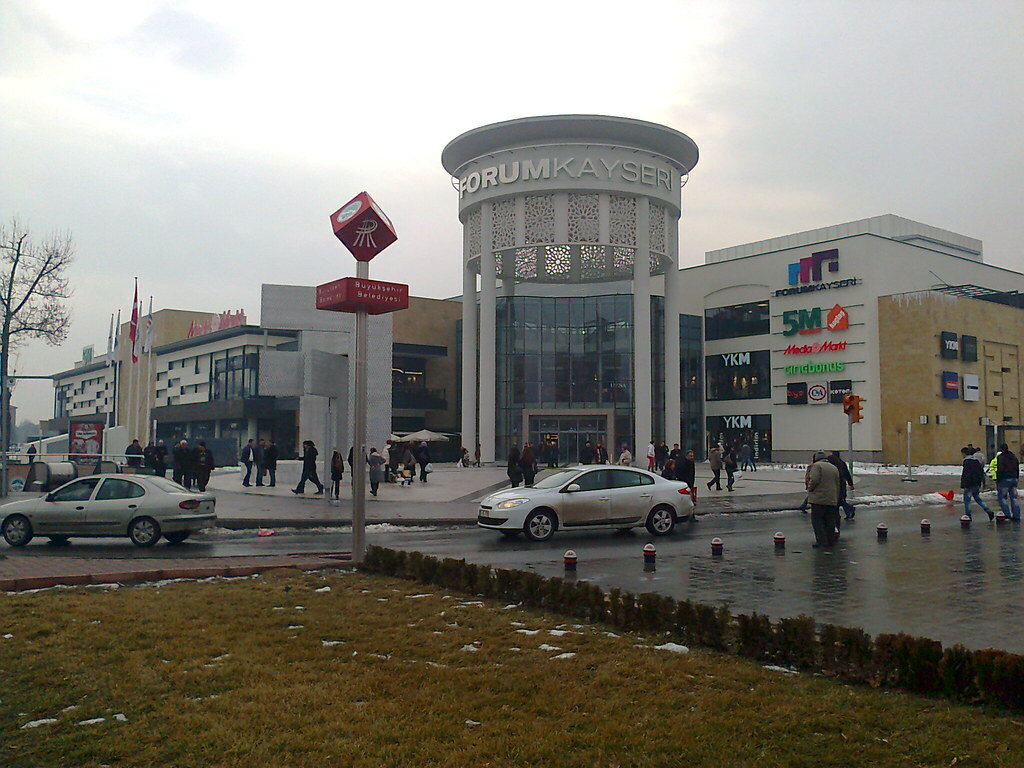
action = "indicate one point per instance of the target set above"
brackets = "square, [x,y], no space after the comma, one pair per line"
[133,331]
[150,384]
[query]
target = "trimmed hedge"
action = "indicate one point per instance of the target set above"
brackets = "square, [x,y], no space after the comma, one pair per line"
[895,660]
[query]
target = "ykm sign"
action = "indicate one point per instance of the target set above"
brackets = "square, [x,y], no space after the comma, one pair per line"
[806,321]
[351,293]
[363,227]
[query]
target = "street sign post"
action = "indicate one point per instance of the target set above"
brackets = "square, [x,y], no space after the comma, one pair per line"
[365,230]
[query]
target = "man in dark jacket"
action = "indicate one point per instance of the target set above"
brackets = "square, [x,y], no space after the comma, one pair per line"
[179,466]
[260,458]
[149,457]
[270,454]
[587,453]
[845,481]
[309,454]
[686,470]
[972,477]
[1007,478]
[600,454]
[204,466]
[248,459]
[133,453]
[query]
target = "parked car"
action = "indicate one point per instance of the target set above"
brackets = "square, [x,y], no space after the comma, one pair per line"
[141,507]
[588,497]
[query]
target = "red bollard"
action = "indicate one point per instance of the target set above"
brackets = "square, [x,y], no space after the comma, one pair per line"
[883,532]
[926,527]
[650,554]
[717,547]
[570,561]
[780,540]
[965,522]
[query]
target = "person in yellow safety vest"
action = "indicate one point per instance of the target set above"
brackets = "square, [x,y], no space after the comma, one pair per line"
[991,471]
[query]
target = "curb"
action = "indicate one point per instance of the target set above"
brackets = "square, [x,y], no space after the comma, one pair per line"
[338,560]
[245,523]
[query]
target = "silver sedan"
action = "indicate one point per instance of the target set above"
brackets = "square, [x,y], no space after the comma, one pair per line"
[141,507]
[586,497]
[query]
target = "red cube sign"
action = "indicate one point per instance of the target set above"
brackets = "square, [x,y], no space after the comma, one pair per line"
[351,293]
[363,227]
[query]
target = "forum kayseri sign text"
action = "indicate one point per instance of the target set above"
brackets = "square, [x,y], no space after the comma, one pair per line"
[511,171]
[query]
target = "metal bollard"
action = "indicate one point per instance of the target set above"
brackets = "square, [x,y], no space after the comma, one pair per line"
[965,522]
[883,532]
[780,540]
[717,546]
[926,527]
[1001,517]
[650,554]
[570,561]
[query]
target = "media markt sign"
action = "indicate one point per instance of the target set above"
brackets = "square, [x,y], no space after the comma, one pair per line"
[806,275]
[806,321]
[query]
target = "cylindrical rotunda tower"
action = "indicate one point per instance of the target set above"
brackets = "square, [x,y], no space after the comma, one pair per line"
[571,224]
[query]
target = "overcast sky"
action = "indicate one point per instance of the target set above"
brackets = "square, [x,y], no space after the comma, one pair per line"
[201,146]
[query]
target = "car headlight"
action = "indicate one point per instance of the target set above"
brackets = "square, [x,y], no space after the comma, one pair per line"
[509,503]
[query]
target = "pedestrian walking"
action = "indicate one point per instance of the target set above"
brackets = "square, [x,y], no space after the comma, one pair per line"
[972,477]
[270,456]
[669,470]
[528,464]
[686,470]
[514,470]
[1007,479]
[660,455]
[675,454]
[376,462]
[31,453]
[179,462]
[715,461]
[823,492]
[337,473]
[191,456]
[652,454]
[552,454]
[747,458]
[845,482]
[149,457]
[133,454]
[587,453]
[730,463]
[248,458]
[204,466]
[476,456]
[309,454]
[394,456]
[423,458]
[600,454]
[625,457]
[259,458]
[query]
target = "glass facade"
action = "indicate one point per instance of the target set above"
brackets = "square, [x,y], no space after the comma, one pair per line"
[736,321]
[739,375]
[691,386]
[235,374]
[570,352]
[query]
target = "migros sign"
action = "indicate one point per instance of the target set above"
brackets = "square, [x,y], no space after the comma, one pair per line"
[808,321]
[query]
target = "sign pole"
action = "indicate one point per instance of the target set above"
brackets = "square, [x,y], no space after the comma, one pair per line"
[849,431]
[910,470]
[359,431]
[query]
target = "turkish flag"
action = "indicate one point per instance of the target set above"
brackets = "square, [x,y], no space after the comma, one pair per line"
[133,328]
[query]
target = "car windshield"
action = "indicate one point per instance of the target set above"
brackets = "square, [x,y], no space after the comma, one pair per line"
[557,479]
[167,486]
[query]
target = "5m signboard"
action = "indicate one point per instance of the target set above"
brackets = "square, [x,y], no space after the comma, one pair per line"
[807,321]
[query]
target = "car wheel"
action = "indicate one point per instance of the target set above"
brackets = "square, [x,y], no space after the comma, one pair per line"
[58,541]
[540,525]
[661,521]
[176,537]
[510,534]
[17,530]
[144,531]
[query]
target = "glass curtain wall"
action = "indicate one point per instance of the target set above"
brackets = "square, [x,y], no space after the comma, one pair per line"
[691,386]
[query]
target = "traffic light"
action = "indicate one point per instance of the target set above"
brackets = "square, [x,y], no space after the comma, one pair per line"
[852,407]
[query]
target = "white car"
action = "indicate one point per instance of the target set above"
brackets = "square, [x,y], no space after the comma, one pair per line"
[141,507]
[587,497]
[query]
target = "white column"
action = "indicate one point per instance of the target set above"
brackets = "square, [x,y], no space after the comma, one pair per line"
[469,440]
[642,428]
[488,333]
[672,311]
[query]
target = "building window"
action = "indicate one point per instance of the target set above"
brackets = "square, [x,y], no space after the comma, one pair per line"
[236,375]
[737,321]
[738,375]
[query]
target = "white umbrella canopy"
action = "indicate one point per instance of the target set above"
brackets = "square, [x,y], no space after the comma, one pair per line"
[426,436]
[395,438]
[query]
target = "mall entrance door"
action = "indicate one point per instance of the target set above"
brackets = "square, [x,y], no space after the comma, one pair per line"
[573,432]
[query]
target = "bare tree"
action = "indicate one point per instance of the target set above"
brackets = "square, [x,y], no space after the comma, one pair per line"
[34,289]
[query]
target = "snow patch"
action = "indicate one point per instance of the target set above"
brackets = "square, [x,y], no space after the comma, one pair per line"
[470,648]
[323,589]
[37,723]
[472,723]
[93,721]
[557,632]
[784,670]
[8,636]
[527,631]
[673,647]
[296,626]
[331,643]
[417,597]
[566,655]
[120,717]
[546,647]
[510,606]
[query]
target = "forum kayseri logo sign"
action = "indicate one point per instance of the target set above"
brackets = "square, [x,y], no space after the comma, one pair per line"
[575,167]
[808,274]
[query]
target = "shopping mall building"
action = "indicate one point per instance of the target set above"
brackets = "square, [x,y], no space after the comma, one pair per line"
[585,328]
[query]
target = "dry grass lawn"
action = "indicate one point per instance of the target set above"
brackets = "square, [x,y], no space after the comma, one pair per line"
[270,672]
